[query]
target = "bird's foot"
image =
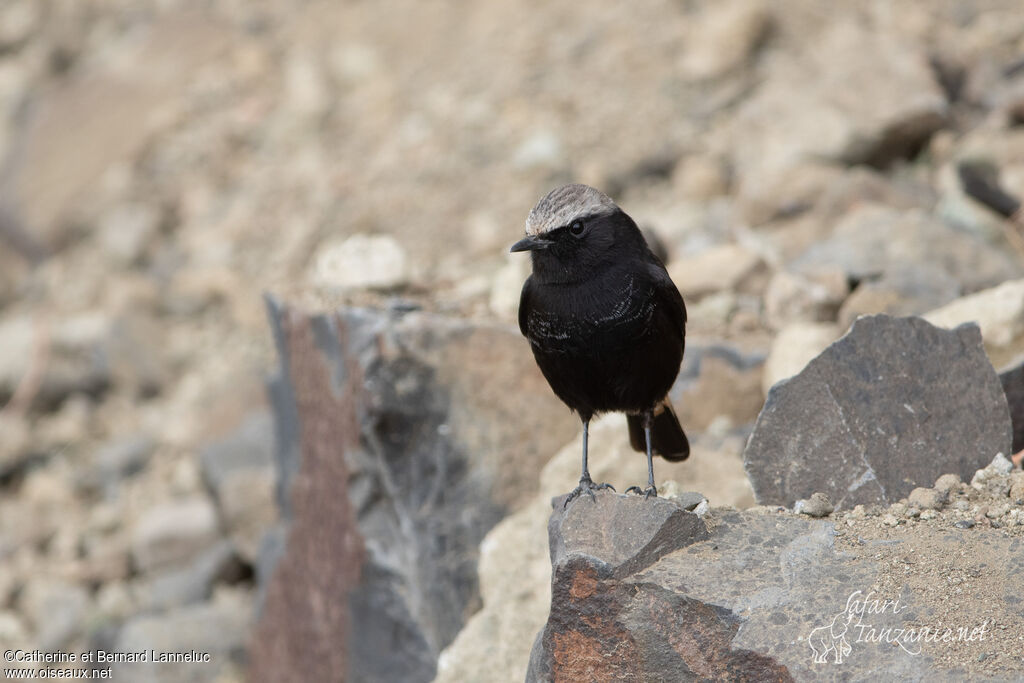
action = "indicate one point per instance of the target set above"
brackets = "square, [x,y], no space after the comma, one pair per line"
[586,486]
[646,493]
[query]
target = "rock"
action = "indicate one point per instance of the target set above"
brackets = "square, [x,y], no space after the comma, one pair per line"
[127,231]
[818,505]
[793,347]
[219,628]
[889,407]
[717,382]
[912,290]
[18,21]
[872,240]
[926,499]
[722,37]
[172,533]
[726,267]
[1017,488]
[543,149]
[998,311]
[946,483]
[361,262]
[192,584]
[57,610]
[240,471]
[855,94]
[1013,384]
[434,417]
[804,297]
[60,359]
[596,545]
[763,597]
[119,458]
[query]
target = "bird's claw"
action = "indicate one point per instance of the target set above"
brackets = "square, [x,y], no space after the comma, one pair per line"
[586,486]
[646,493]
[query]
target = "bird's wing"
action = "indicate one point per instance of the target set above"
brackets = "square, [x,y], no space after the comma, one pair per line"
[524,299]
[668,296]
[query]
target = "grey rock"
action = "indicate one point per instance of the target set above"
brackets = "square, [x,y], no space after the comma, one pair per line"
[174,533]
[911,290]
[219,628]
[192,584]
[434,417]
[1012,380]
[759,597]
[891,406]
[57,609]
[871,241]
[120,458]
[240,471]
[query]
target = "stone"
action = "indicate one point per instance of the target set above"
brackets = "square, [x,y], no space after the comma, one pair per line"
[912,290]
[595,545]
[360,262]
[18,21]
[998,311]
[854,93]
[172,533]
[872,240]
[56,609]
[793,347]
[127,231]
[725,267]
[926,498]
[192,584]
[889,407]
[946,483]
[818,505]
[716,382]
[122,457]
[1012,379]
[72,350]
[239,470]
[759,597]
[804,297]
[219,628]
[391,426]
[722,38]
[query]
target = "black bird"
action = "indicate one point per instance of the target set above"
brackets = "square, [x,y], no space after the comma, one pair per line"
[605,322]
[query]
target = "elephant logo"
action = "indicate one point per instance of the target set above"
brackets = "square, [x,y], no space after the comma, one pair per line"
[831,639]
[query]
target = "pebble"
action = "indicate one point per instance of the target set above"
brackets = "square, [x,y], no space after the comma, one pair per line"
[818,505]
[890,520]
[947,482]
[926,499]
[172,533]
[361,262]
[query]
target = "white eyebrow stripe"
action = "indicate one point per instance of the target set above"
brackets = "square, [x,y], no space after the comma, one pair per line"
[564,204]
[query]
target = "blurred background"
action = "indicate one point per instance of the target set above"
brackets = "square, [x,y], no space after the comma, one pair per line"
[163,164]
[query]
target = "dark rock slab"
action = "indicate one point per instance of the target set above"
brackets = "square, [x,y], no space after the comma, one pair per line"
[1012,379]
[889,407]
[403,437]
[755,596]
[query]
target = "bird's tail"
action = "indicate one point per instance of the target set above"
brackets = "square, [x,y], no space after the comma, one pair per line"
[667,436]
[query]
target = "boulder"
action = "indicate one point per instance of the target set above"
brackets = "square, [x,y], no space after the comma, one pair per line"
[391,427]
[889,407]
[766,596]
[998,311]
[1012,380]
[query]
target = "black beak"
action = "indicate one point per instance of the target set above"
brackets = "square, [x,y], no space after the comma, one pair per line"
[530,243]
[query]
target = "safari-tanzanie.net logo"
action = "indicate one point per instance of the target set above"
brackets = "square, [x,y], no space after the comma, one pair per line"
[858,623]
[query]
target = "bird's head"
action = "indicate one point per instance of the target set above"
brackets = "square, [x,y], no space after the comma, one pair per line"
[573,230]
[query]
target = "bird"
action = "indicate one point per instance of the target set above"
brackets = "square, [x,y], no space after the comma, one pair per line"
[605,322]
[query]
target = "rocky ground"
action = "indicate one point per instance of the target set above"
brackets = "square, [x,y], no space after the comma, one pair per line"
[165,164]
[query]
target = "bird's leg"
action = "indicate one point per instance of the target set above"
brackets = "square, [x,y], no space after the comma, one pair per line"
[587,484]
[650,490]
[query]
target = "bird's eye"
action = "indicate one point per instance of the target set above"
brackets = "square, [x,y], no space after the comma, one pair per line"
[576,228]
